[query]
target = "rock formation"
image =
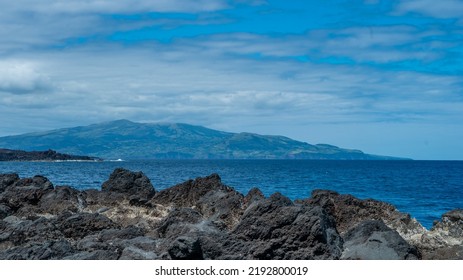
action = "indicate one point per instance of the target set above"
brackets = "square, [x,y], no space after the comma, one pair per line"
[205,219]
[49,155]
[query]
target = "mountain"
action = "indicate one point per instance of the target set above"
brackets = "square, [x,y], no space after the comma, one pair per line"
[129,140]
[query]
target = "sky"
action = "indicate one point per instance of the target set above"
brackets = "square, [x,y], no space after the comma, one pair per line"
[385,77]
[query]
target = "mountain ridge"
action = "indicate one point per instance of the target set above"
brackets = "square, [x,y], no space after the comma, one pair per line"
[131,140]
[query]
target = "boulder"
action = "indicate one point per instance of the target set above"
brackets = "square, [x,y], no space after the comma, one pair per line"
[185,248]
[83,224]
[119,234]
[7,180]
[453,222]
[91,243]
[373,240]
[129,183]
[454,252]
[276,228]
[25,192]
[5,211]
[208,195]
[349,211]
[49,250]
[445,239]
[179,222]
[28,231]
[253,195]
[185,234]
[61,199]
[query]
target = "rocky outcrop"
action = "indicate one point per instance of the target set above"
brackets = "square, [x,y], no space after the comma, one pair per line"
[445,239]
[214,200]
[373,240]
[129,183]
[349,211]
[278,229]
[49,155]
[205,219]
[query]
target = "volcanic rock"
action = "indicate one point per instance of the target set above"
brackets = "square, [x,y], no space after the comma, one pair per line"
[445,239]
[208,195]
[205,219]
[26,191]
[373,240]
[7,180]
[349,211]
[129,183]
[280,229]
[83,224]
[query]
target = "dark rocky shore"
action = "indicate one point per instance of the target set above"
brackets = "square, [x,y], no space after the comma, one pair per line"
[204,219]
[49,155]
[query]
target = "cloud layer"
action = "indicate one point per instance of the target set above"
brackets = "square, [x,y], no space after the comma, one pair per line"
[67,63]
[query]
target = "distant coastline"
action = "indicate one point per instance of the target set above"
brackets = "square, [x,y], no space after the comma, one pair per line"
[49,156]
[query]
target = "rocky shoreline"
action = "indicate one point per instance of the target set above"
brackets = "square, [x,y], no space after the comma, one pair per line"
[49,155]
[205,219]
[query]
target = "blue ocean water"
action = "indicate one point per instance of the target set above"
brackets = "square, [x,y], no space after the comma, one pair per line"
[425,189]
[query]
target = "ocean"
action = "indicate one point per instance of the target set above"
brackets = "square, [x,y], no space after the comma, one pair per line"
[425,189]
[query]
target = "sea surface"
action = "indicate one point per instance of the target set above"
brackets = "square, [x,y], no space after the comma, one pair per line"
[425,189]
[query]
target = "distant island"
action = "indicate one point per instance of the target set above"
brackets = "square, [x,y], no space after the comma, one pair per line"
[49,155]
[123,139]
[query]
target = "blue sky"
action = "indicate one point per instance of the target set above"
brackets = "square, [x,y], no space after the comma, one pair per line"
[385,77]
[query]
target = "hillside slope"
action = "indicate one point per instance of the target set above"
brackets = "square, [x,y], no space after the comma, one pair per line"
[129,140]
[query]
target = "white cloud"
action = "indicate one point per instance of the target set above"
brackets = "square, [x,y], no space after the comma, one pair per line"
[18,77]
[439,9]
[29,23]
[235,93]
[384,44]
[110,6]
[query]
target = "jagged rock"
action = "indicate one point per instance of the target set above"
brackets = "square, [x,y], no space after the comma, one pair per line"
[92,243]
[83,224]
[185,248]
[95,199]
[253,195]
[39,230]
[5,211]
[179,222]
[142,242]
[373,240]
[121,234]
[453,222]
[278,229]
[27,191]
[445,239]
[444,253]
[189,192]
[184,225]
[61,199]
[208,195]
[350,211]
[7,180]
[129,183]
[49,250]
